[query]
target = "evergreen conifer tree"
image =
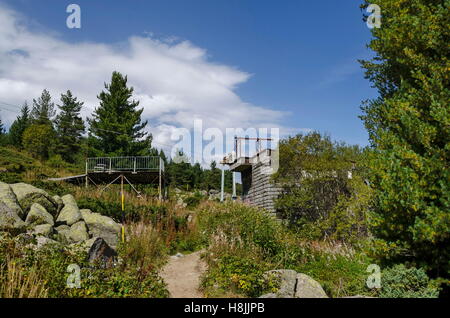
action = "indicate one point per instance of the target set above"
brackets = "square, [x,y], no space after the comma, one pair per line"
[17,128]
[409,128]
[69,127]
[43,109]
[116,127]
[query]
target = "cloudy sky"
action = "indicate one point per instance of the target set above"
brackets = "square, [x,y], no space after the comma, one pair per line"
[237,63]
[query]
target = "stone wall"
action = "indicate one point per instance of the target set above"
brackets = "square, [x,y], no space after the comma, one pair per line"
[258,188]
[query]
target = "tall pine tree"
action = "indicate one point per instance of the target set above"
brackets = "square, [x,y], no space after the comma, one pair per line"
[116,128]
[19,125]
[213,177]
[69,127]
[1,127]
[2,133]
[409,128]
[43,109]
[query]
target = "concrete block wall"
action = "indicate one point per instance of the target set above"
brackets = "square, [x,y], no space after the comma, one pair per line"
[259,190]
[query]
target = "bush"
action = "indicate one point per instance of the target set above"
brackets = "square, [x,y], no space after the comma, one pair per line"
[402,282]
[339,274]
[241,275]
[243,225]
[56,161]
[52,187]
[36,140]
[114,283]
[234,271]
[194,200]
[318,198]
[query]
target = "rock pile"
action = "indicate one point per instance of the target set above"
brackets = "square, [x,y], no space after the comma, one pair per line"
[29,212]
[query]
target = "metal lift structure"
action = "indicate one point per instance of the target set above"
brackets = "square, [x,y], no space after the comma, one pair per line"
[121,170]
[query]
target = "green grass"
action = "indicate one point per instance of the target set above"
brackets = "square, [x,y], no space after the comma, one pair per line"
[245,242]
[19,166]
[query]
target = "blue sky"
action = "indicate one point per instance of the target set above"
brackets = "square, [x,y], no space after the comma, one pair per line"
[295,58]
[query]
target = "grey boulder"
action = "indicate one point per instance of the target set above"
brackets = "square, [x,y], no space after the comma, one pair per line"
[42,241]
[59,202]
[62,233]
[308,288]
[27,195]
[70,213]
[43,229]
[39,215]
[78,232]
[9,220]
[102,226]
[287,280]
[84,246]
[294,285]
[101,254]
[8,197]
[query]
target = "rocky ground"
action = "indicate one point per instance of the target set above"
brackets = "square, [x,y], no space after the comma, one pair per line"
[33,216]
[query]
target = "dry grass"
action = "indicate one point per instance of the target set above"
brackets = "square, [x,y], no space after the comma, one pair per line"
[333,248]
[144,246]
[113,194]
[16,282]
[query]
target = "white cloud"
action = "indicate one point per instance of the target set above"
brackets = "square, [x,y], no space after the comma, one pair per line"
[174,81]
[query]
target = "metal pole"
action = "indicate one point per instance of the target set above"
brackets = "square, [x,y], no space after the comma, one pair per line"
[87,173]
[222,184]
[160,189]
[234,185]
[123,208]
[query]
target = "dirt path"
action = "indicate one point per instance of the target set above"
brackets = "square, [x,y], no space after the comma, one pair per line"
[182,275]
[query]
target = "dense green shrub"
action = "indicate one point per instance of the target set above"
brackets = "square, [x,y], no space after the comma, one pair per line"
[56,161]
[243,224]
[237,272]
[318,198]
[119,283]
[193,201]
[340,275]
[36,139]
[402,282]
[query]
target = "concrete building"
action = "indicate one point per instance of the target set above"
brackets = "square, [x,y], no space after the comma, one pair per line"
[256,174]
